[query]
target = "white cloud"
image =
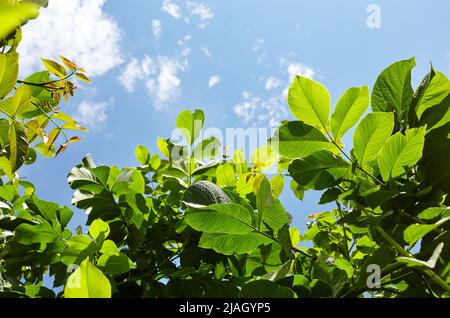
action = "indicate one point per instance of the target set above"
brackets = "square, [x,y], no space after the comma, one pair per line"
[185,40]
[206,51]
[93,115]
[171,8]
[270,106]
[165,87]
[197,11]
[299,69]
[258,48]
[79,30]
[213,81]
[156,29]
[257,110]
[160,76]
[202,11]
[272,82]
[137,71]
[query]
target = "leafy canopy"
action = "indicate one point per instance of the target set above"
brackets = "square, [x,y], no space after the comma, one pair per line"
[145,238]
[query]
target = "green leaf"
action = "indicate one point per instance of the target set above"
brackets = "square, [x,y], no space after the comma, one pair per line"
[30,234]
[309,101]
[298,190]
[9,69]
[320,170]
[371,134]
[344,265]
[190,124]
[392,89]
[79,248]
[5,165]
[54,67]
[349,108]
[87,281]
[401,151]
[207,148]
[270,210]
[275,216]
[155,161]
[436,116]
[229,244]
[225,175]
[163,147]
[264,289]
[415,232]
[432,213]
[330,195]
[109,248]
[13,16]
[277,183]
[99,230]
[435,92]
[4,131]
[296,139]
[18,146]
[115,264]
[21,100]
[264,198]
[85,179]
[142,154]
[227,218]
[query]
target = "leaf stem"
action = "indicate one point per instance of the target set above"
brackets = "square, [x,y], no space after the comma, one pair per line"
[432,275]
[51,119]
[341,215]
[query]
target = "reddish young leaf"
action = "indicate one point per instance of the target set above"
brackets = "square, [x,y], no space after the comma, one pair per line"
[83,77]
[71,65]
[74,139]
[61,149]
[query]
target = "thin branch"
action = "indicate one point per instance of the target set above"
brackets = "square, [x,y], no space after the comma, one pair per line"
[341,215]
[51,119]
[47,83]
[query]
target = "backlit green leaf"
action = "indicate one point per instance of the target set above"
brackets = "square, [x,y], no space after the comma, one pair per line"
[190,124]
[392,90]
[309,101]
[371,135]
[87,281]
[9,69]
[297,140]
[349,108]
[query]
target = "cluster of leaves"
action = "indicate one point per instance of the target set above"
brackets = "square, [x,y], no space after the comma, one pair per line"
[32,117]
[149,236]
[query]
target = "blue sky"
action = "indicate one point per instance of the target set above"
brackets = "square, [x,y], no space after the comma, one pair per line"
[234,59]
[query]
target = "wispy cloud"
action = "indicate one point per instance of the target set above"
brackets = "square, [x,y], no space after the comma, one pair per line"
[269,106]
[171,8]
[156,29]
[256,109]
[259,50]
[202,11]
[272,82]
[213,81]
[77,29]
[93,115]
[206,51]
[159,75]
[198,12]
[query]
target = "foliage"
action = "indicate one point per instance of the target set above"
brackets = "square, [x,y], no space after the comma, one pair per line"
[159,229]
